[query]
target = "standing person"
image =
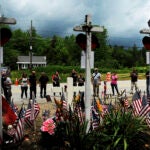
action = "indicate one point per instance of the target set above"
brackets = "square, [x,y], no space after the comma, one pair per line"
[148,83]
[24,84]
[81,80]
[43,80]
[7,88]
[3,79]
[114,84]
[96,81]
[74,75]
[56,79]
[32,83]
[134,79]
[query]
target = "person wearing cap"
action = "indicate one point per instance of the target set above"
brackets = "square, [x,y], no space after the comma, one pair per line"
[96,81]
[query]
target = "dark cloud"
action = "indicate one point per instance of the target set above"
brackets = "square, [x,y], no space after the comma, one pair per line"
[122,18]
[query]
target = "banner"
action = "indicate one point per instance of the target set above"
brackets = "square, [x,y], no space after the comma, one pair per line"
[147,58]
[83,59]
[1,55]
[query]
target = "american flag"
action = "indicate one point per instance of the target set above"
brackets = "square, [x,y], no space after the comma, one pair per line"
[136,103]
[64,102]
[13,106]
[31,113]
[142,108]
[35,109]
[28,122]
[95,118]
[78,111]
[20,125]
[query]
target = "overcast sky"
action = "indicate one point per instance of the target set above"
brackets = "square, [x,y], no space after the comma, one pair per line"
[122,18]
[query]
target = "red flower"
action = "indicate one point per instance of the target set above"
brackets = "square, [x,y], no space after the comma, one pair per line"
[48,126]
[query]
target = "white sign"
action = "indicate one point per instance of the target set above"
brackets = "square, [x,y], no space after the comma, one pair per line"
[97,29]
[1,55]
[147,58]
[83,56]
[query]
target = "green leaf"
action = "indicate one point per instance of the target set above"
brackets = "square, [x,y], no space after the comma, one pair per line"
[117,141]
[125,144]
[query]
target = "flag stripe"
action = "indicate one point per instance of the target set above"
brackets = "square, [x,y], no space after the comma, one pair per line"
[144,111]
[148,121]
[137,104]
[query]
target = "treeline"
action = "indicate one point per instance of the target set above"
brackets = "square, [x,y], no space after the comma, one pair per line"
[65,52]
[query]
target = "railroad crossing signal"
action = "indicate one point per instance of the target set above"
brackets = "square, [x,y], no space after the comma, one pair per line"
[88,28]
[146,39]
[146,42]
[81,41]
[5,35]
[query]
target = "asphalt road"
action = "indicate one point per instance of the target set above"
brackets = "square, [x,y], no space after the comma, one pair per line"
[122,85]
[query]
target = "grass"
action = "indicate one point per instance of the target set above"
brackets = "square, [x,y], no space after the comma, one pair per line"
[122,76]
[125,76]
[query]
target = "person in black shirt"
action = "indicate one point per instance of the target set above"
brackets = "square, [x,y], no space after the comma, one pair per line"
[134,79]
[74,75]
[43,80]
[148,83]
[81,80]
[32,82]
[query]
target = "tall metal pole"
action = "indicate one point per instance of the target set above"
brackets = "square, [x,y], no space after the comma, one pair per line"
[1,120]
[1,115]
[148,94]
[88,72]
[31,46]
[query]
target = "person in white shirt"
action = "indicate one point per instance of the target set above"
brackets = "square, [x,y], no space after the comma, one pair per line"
[24,85]
[96,81]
